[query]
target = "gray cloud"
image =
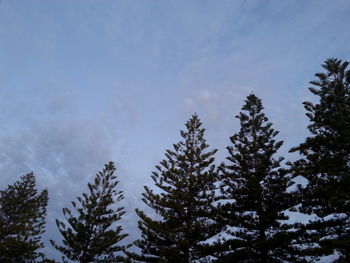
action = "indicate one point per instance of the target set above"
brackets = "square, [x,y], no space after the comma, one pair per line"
[64,153]
[83,83]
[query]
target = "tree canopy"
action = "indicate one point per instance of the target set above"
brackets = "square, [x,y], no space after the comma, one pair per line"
[185,183]
[22,221]
[90,234]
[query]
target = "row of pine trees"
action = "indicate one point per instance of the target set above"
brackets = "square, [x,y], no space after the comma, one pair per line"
[237,211]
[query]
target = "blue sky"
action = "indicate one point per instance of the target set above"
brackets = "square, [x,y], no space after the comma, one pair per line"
[84,82]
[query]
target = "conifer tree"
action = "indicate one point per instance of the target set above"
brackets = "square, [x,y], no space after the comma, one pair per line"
[182,201]
[22,221]
[254,185]
[325,163]
[91,234]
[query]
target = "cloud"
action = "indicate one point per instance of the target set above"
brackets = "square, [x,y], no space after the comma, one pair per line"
[64,152]
[83,83]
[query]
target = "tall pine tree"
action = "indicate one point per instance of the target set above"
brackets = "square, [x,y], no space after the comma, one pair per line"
[254,185]
[91,234]
[22,221]
[325,163]
[182,201]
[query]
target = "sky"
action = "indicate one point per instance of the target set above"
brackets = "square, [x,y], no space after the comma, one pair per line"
[86,82]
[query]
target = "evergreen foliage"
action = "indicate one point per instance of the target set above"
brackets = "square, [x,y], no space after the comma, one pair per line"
[22,221]
[185,183]
[91,234]
[325,163]
[254,185]
[184,216]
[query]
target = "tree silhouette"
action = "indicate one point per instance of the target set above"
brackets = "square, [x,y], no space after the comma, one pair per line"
[185,192]
[325,163]
[91,235]
[255,185]
[22,220]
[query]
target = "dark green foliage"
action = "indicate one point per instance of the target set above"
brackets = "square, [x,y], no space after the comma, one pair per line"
[325,162]
[91,235]
[185,182]
[255,186]
[22,221]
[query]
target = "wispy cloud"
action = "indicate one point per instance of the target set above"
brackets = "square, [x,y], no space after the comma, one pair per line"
[82,83]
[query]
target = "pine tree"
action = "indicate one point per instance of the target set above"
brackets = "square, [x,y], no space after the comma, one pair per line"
[22,220]
[325,163]
[185,183]
[254,185]
[91,234]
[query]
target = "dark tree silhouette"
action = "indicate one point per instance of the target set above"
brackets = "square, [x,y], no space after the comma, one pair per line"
[185,192]
[255,185]
[22,221]
[325,163]
[90,234]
